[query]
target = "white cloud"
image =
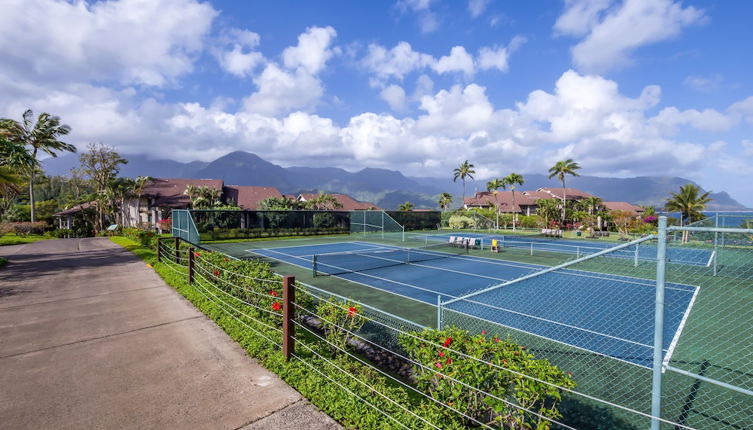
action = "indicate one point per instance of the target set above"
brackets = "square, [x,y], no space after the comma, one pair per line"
[743,109]
[747,147]
[707,120]
[612,34]
[459,60]
[395,62]
[477,7]
[394,95]
[239,58]
[498,57]
[283,89]
[705,84]
[427,19]
[127,41]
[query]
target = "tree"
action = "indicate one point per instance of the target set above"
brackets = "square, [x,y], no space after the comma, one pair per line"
[41,135]
[122,189]
[624,221]
[560,170]
[138,188]
[279,204]
[323,202]
[445,200]
[407,206]
[689,202]
[513,179]
[101,164]
[494,185]
[546,208]
[464,171]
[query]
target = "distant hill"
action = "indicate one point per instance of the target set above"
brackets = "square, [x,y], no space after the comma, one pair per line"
[385,188]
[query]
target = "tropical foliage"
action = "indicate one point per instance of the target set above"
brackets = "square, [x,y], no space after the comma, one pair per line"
[407,206]
[511,181]
[466,170]
[560,170]
[445,200]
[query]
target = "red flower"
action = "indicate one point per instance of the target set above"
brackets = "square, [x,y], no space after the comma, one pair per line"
[504,361]
[196,254]
[273,293]
[352,311]
[449,361]
[441,354]
[447,342]
[225,259]
[496,339]
[516,353]
[569,373]
[439,365]
[276,306]
[483,332]
[216,273]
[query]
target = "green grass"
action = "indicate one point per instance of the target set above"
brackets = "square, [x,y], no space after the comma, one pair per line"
[12,239]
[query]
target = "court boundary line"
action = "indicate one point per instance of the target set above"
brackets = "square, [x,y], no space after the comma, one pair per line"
[534,317]
[680,328]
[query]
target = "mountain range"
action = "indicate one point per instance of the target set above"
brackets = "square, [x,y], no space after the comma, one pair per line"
[386,188]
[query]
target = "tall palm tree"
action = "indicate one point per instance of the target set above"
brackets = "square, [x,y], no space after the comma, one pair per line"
[560,170]
[41,135]
[546,208]
[464,171]
[689,202]
[122,188]
[512,180]
[407,206]
[494,185]
[138,188]
[445,199]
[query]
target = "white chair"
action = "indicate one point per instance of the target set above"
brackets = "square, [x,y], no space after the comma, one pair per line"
[452,241]
[472,243]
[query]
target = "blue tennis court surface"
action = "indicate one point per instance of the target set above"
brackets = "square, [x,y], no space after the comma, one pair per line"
[606,314]
[646,252]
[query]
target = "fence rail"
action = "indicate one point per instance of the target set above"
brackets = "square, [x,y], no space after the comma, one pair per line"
[667,343]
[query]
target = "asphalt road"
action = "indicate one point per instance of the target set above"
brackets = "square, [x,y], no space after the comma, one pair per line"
[90,337]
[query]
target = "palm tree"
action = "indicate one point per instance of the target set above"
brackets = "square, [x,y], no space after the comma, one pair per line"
[689,202]
[494,185]
[560,169]
[546,208]
[445,199]
[464,171]
[138,188]
[40,136]
[407,206]
[323,202]
[122,188]
[513,179]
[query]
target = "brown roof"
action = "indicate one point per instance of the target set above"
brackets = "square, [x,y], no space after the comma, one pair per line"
[248,197]
[623,206]
[536,195]
[77,208]
[348,203]
[503,200]
[571,193]
[169,192]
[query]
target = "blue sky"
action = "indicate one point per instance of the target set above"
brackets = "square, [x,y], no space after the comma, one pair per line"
[625,87]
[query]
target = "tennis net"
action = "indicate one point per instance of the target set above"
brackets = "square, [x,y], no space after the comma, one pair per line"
[338,263]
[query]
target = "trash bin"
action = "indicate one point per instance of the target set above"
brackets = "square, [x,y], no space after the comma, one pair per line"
[577,233]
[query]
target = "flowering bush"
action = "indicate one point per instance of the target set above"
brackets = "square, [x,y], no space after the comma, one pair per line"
[166,224]
[337,318]
[492,369]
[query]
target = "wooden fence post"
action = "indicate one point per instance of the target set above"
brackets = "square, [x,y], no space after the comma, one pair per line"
[190,265]
[177,250]
[288,315]
[159,250]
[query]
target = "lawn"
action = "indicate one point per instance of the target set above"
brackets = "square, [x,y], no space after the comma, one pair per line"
[13,239]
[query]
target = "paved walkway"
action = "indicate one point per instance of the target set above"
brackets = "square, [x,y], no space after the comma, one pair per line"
[92,338]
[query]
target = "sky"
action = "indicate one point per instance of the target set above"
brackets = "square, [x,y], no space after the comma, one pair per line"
[623,87]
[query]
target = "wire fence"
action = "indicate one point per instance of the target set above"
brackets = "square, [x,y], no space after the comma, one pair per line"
[656,333]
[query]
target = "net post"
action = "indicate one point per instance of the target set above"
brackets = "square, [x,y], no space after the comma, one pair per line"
[635,258]
[313,264]
[159,250]
[190,265]
[382,225]
[577,252]
[439,312]
[177,250]
[531,249]
[288,315]
[661,272]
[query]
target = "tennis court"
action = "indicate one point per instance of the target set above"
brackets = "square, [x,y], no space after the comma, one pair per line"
[602,313]
[644,252]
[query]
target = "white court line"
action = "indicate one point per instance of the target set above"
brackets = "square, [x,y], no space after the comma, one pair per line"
[676,338]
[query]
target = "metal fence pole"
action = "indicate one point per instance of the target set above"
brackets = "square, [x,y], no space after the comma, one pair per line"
[190,265]
[177,250]
[661,267]
[637,247]
[288,315]
[439,312]
[716,242]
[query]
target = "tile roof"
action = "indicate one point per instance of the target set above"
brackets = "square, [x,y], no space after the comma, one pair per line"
[571,193]
[623,206]
[168,192]
[503,200]
[248,197]
[78,208]
[348,203]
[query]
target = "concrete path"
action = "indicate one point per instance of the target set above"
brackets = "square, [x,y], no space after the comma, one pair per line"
[92,338]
